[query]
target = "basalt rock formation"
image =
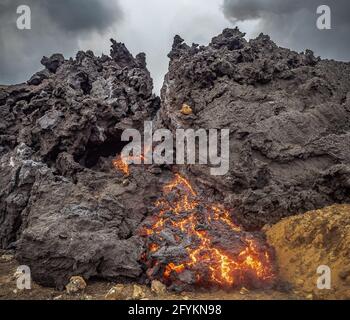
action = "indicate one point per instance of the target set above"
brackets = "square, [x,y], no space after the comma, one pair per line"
[289,121]
[67,211]
[62,205]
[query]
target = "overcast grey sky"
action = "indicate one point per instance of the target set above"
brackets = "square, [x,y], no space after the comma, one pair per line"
[67,26]
[293,23]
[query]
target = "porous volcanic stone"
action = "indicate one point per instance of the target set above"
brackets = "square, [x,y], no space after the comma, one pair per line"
[289,120]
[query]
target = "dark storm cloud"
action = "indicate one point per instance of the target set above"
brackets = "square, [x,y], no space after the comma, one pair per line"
[81,15]
[293,23]
[57,26]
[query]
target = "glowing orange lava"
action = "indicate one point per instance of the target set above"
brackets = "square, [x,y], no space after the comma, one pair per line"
[185,215]
[121,165]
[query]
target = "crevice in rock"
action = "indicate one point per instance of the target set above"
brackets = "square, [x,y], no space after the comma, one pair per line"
[111,147]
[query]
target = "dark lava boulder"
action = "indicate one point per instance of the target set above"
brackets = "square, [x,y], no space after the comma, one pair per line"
[289,121]
[63,206]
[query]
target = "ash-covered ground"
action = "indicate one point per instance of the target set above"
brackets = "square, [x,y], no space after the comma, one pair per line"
[66,210]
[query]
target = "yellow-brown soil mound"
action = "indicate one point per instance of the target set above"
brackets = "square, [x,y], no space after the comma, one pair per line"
[305,242]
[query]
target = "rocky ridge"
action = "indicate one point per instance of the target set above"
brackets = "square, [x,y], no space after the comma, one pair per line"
[289,121]
[67,211]
[63,207]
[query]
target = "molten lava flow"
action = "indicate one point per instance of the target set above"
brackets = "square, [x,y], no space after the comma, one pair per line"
[121,165]
[194,242]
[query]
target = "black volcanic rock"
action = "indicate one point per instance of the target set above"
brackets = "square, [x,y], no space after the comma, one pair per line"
[289,118]
[62,204]
[53,63]
[67,211]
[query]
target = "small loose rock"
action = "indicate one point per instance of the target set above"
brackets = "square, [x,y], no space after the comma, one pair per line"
[6,258]
[119,292]
[75,285]
[138,292]
[186,110]
[158,288]
[244,291]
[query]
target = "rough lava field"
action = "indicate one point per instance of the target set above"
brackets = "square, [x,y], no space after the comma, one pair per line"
[66,208]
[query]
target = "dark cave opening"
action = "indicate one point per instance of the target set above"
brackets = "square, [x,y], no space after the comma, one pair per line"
[111,147]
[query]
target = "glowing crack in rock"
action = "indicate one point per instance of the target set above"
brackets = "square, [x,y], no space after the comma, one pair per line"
[192,241]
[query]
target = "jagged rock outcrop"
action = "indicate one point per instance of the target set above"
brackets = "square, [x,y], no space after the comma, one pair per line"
[62,204]
[289,120]
[68,212]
